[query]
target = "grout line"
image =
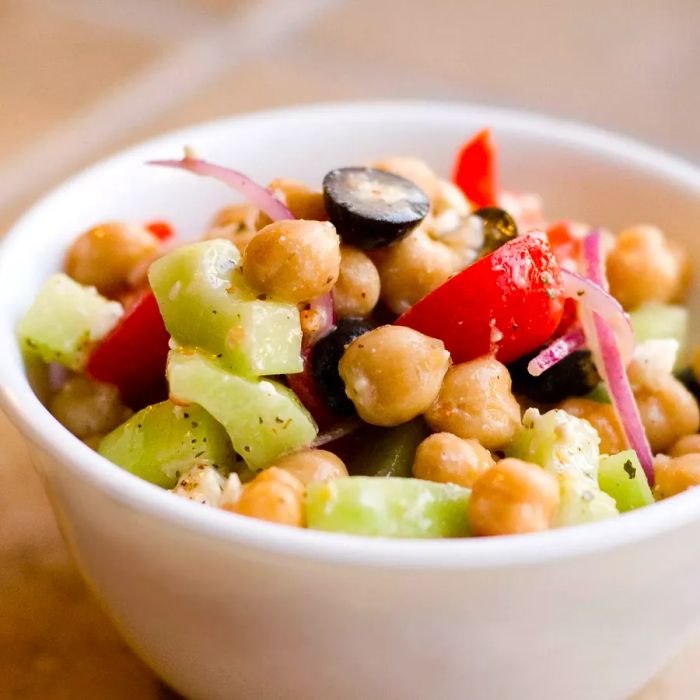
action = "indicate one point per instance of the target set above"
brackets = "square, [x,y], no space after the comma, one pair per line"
[179,75]
[157,21]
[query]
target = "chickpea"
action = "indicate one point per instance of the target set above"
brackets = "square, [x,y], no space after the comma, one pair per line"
[513,497]
[87,407]
[603,418]
[447,458]
[392,374]
[302,201]
[357,290]
[412,268]
[668,410]
[235,223]
[293,260]
[274,495]
[675,475]
[105,255]
[687,445]
[644,267]
[413,169]
[312,465]
[476,401]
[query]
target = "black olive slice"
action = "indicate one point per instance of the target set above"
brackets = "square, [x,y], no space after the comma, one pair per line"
[371,208]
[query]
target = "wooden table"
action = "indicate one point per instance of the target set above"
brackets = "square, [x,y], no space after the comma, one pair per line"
[81,78]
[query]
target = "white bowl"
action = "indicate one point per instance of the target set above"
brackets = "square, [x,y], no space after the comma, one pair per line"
[227,607]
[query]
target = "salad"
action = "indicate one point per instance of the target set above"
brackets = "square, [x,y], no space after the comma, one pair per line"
[390,354]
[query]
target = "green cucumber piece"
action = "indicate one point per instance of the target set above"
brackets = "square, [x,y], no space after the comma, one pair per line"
[599,394]
[264,419]
[389,507]
[65,320]
[264,338]
[622,477]
[567,447]
[660,321]
[387,451]
[581,501]
[559,442]
[162,441]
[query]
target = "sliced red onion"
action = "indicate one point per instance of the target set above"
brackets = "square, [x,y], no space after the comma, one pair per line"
[324,321]
[57,375]
[551,355]
[256,194]
[594,297]
[604,345]
[338,431]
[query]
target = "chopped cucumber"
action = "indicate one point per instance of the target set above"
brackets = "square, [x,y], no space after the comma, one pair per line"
[65,319]
[264,419]
[265,338]
[581,501]
[622,477]
[599,394]
[387,451]
[559,442]
[391,507]
[660,321]
[567,447]
[161,442]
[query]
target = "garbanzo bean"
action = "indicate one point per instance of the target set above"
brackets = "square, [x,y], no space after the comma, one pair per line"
[668,410]
[303,201]
[644,267]
[476,401]
[236,224]
[357,290]
[87,407]
[687,445]
[447,458]
[413,169]
[105,255]
[274,495]
[513,497]
[312,465]
[674,475]
[412,268]
[293,260]
[603,418]
[392,374]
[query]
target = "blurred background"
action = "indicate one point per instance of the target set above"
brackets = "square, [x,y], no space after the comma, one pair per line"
[82,78]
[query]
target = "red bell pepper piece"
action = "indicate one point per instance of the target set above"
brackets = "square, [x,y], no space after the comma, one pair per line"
[475,170]
[161,230]
[565,245]
[508,303]
[133,355]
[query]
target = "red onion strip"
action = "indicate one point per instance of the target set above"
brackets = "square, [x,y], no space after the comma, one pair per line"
[256,194]
[593,296]
[338,431]
[551,355]
[323,307]
[604,346]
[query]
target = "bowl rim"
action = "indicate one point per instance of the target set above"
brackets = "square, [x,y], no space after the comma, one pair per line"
[36,423]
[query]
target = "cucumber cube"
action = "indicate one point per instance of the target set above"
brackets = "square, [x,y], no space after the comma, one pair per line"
[265,338]
[581,501]
[161,442]
[264,419]
[660,321]
[389,507]
[622,477]
[559,442]
[65,320]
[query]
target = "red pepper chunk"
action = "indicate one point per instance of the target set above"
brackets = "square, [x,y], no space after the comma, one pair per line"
[134,354]
[508,303]
[475,170]
[161,230]
[304,386]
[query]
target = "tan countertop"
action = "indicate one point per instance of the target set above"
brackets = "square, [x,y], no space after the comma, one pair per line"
[80,78]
